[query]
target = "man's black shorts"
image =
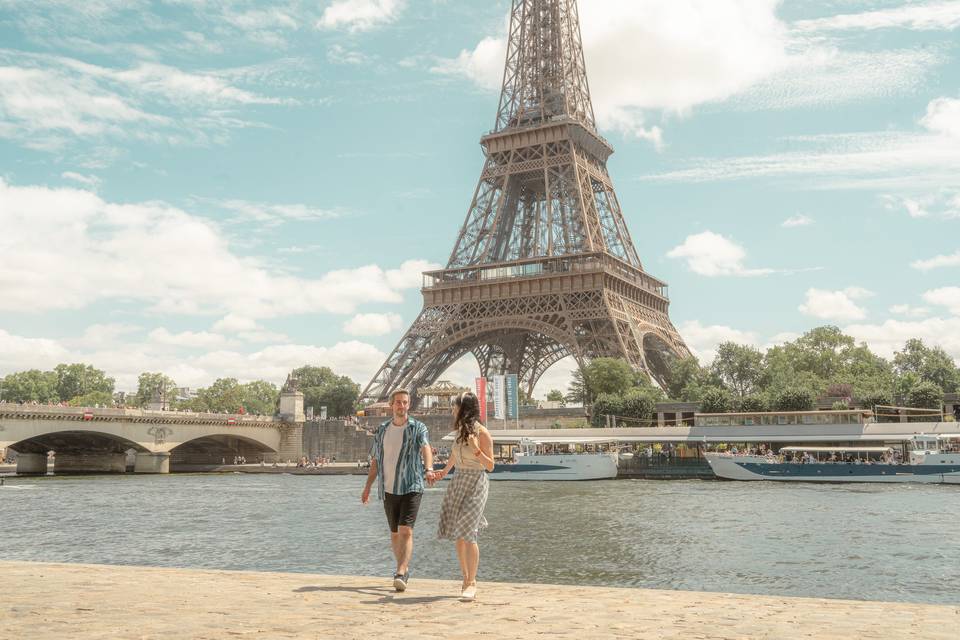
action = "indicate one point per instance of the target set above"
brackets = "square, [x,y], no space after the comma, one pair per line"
[401,509]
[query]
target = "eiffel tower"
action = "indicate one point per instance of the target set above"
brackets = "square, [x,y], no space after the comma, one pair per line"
[544,266]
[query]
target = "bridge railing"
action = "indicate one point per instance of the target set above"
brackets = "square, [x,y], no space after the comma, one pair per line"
[120,413]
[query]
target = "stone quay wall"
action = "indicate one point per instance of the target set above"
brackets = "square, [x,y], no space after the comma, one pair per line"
[351,442]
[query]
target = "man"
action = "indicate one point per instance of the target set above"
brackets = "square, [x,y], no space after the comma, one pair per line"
[400,460]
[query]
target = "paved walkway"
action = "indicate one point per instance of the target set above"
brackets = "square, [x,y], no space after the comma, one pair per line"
[94,601]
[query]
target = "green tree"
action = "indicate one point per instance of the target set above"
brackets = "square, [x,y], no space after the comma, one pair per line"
[739,367]
[259,397]
[606,404]
[925,395]
[716,400]
[638,403]
[577,391]
[29,386]
[555,395]
[794,399]
[93,399]
[609,375]
[930,364]
[80,379]
[151,384]
[682,373]
[322,387]
[225,395]
[751,403]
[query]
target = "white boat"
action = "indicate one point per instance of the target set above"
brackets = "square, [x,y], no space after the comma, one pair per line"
[930,459]
[540,460]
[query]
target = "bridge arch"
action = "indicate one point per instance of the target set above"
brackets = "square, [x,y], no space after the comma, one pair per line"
[215,449]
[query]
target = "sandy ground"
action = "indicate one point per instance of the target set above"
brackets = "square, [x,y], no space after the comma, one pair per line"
[94,601]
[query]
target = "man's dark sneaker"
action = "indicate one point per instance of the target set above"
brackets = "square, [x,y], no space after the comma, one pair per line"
[400,581]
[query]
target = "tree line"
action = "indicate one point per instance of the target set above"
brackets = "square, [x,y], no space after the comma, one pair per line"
[82,384]
[824,362]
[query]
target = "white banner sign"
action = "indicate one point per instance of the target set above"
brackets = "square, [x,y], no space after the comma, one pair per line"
[499,398]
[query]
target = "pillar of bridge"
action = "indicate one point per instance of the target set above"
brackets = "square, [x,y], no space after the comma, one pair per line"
[90,462]
[31,463]
[152,463]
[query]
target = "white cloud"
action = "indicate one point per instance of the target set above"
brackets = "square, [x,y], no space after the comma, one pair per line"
[920,17]
[943,204]
[483,65]
[656,55]
[702,340]
[710,254]
[338,54]
[48,101]
[935,262]
[890,159]
[834,305]
[799,220]
[271,214]
[943,116]
[189,365]
[670,56]
[890,336]
[18,353]
[909,310]
[360,15]
[234,323]
[102,335]
[948,297]
[88,181]
[193,339]
[69,249]
[373,324]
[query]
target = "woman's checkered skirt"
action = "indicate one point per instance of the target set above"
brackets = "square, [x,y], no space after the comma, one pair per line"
[461,515]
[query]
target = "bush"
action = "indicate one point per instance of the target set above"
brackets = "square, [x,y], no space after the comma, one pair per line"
[794,399]
[716,400]
[840,405]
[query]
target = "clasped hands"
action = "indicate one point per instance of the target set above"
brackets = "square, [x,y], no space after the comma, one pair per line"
[433,476]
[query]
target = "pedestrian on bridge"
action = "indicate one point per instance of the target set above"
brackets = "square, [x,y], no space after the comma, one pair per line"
[400,461]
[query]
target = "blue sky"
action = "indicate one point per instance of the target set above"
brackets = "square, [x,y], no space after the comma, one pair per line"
[234,188]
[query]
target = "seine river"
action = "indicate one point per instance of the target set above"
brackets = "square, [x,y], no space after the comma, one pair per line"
[897,542]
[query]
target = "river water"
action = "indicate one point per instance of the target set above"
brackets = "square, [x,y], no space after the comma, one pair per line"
[897,542]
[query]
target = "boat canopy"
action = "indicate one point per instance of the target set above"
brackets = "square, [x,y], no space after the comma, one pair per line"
[852,449]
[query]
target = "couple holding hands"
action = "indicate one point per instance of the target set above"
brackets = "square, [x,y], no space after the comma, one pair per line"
[401,462]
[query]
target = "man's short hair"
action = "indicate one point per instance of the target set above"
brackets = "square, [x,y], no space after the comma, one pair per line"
[397,392]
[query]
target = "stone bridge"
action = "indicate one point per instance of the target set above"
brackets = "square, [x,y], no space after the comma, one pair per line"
[99,439]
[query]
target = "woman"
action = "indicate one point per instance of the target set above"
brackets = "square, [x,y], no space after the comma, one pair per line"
[461,516]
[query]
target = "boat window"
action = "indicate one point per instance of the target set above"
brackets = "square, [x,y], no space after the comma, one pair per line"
[781,419]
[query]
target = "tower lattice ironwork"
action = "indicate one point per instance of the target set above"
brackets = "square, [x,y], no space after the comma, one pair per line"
[544,266]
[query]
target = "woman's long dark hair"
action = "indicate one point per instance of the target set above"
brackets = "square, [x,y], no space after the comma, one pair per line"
[468,415]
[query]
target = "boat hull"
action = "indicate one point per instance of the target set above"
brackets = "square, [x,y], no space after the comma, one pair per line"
[759,468]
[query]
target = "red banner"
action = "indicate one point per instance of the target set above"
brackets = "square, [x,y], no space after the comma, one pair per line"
[481,384]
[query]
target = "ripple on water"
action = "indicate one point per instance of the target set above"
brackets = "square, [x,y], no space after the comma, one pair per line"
[873,542]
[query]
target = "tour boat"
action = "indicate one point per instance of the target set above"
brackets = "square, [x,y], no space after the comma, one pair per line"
[539,460]
[930,459]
